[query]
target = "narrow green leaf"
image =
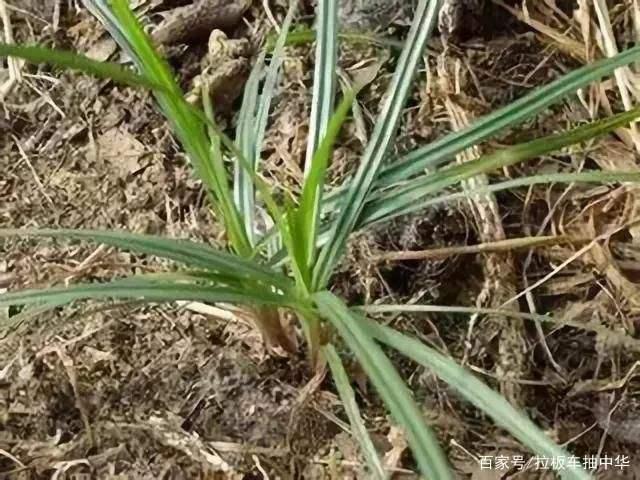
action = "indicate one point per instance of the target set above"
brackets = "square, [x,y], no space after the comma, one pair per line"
[358,428]
[277,214]
[404,198]
[243,189]
[629,343]
[474,391]
[149,290]
[254,117]
[307,217]
[599,177]
[236,231]
[73,61]
[280,219]
[515,113]
[139,44]
[381,140]
[446,148]
[324,76]
[245,130]
[387,381]
[271,80]
[183,251]
[102,11]
[201,277]
[187,121]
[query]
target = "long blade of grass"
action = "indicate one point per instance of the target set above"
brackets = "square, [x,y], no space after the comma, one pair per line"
[72,61]
[271,80]
[306,218]
[123,25]
[394,202]
[225,205]
[245,130]
[599,177]
[188,126]
[381,140]
[254,116]
[107,70]
[243,189]
[202,277]
[277,214]
[446,148]
[358,428]
[207,158]
[387,381]
[121,32]
[183,251]
[280,219]
[324,76]
[629,343]
[144,289]
[474,391]
[515,113]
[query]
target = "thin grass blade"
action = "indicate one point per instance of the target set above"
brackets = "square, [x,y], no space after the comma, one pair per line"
[187,252]
[387,381]
[73,61]
[598,177]
[243,189]
[245,130]
[122,33]
[237,232]
[414,194]
[381,140]
[103,12]
[304,36]
[280,219]
[306,218]
[358,428]
[476,392]
[515,113]
[271,80]
[631,344]
[146,289]
[404,198]
[324,76]
[254,116]
[188,124]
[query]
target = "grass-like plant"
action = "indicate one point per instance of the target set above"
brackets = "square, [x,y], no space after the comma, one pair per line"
[290,266]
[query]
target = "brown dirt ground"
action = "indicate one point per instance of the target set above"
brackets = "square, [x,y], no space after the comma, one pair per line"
[133,391]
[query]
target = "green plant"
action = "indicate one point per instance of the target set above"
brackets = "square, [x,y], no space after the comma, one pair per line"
[290,266]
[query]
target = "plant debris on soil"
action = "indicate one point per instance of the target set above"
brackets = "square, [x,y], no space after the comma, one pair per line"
[151,392]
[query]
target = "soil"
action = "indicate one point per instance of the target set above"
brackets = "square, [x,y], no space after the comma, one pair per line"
[144,392]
